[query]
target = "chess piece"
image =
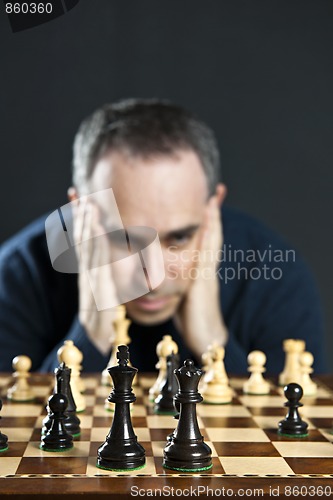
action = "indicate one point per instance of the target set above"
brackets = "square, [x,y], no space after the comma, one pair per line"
[56,437]
[185,449]
[216,389]
[256,384]
[3,437]
[293,425]
[21,391]
[120,328]
[164,403]
[71,422]
[292,371]
[309,387]
[164,348]
[121,449]
[207,361]
[72,357]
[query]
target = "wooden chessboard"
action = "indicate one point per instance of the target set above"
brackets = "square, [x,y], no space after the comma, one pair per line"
[247,451]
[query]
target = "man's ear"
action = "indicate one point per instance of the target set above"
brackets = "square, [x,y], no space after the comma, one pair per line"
[221,193]
[72,193]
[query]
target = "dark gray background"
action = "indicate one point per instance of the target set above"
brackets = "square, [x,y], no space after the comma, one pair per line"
[259,72]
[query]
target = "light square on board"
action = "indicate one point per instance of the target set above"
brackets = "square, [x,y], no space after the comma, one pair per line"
[158,447]
[237,383]
[5,381]
[161,422]
[42,391]
[86,421]
[138,410]
[317,411]
[80,449]
[228,410]
[322,392]
[146,382]
[18,433]
[103,391]
[262,401]
[100,411]
[255,465]
[9,465]
[91,382]
[21,409]
[304,449]
[236,434]
[90,399]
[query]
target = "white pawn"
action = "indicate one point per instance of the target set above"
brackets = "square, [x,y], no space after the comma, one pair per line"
[207,362]
[256,384]
[308,386]
[292,369]
[120,330]
[21,390]
[216,390]
[164,348]
[72,357]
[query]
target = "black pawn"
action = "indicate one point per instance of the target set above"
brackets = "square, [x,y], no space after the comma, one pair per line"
[121,450]
[164,403]
[186,449]
[57,438]
[293,425]
[72,421]
[3,437]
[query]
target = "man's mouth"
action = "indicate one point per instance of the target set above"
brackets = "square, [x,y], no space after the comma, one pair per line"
[152,303]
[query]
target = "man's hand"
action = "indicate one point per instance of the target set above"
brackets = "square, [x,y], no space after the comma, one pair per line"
[199,317]
[93,250]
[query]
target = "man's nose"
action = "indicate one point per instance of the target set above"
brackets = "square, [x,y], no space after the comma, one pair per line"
[151,255]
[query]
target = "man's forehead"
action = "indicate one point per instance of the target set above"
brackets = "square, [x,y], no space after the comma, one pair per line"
[181,169]
[166,193]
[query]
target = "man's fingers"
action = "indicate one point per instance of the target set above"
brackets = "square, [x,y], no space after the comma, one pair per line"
[210,241]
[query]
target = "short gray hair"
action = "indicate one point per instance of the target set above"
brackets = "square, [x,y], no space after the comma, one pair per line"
[143,127]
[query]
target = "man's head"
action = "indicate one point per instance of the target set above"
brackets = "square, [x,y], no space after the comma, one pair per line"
[143,128]
[163,166]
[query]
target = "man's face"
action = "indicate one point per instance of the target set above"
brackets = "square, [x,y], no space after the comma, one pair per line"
[169,194]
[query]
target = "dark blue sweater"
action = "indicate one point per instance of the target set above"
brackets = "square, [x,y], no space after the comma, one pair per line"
[261,306]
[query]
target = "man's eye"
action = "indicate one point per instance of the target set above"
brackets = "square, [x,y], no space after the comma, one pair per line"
[180,239]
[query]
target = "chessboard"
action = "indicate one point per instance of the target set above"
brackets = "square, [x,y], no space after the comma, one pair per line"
[246,447]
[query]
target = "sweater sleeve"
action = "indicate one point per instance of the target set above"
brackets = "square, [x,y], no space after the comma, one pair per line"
[288,307]
[92,358]
[235,356]
[267,311]
[27,322]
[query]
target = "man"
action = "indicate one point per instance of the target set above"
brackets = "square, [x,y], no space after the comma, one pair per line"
[162,164]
